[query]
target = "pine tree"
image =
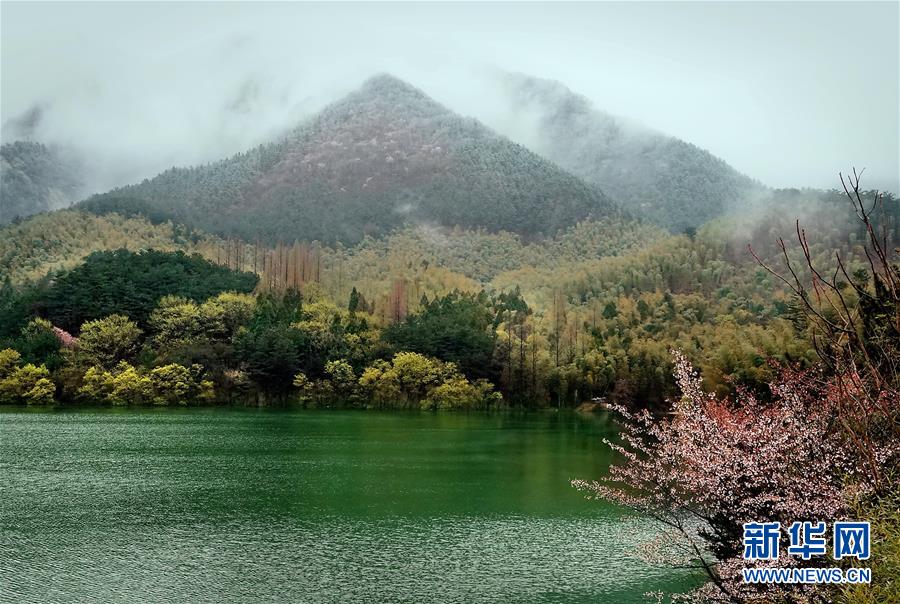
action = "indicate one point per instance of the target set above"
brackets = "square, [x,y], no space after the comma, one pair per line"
[353,305]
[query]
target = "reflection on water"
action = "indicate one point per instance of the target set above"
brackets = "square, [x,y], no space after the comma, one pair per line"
[219,505]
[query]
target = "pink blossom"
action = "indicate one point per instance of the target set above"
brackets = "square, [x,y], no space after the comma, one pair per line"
[715,464]
[66,339]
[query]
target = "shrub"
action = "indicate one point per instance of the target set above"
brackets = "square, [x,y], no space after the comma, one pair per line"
[176,384]
[412,378]
[884,514]
[166,385]
[29,383]
[459,393]
[107,341]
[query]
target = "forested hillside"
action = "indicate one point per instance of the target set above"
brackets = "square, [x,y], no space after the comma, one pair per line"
[389,251]
[35,178]
[385,156]
[590,312]
[673,183]
[61,240]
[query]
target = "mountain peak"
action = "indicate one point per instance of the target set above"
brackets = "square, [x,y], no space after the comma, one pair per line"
[556,101]
[379,106]
[386,82]
[383,156]
[385,93]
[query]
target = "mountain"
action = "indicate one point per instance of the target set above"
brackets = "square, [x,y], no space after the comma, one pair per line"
[670,182]
[35,178]
[383,156]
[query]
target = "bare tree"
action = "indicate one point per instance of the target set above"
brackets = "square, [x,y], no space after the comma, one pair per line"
[854,319]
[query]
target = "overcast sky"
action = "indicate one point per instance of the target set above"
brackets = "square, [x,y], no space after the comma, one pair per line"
[789,93]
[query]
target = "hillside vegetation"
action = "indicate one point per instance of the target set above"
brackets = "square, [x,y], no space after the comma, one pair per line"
[60,240]
[385,156]
[672,183]
[591,312]
[386,226]
[35,178]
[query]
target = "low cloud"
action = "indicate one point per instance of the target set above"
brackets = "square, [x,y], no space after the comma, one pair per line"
[141,87]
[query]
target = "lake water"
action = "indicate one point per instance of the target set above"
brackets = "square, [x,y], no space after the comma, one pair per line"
[213,505]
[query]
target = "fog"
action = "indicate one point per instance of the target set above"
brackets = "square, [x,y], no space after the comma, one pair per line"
[789,94]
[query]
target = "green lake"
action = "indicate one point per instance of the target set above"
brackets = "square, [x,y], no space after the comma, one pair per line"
[213,505]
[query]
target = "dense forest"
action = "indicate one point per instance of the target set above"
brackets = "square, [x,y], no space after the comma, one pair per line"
[59,240]
[429,316]
[390,252]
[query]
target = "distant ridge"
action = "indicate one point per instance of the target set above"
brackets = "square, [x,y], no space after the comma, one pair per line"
[384,155]
[669,181]
[35,178]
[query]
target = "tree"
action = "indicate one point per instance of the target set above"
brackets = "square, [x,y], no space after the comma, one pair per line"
[341,376]
[122,386]
[331,333]
[177,384]
[610,311]
[176,322]
[231,310]
[853,317]
[27,383]
[353,304]
[305,388]
[718,463]
[459,393]
[270,354]
[40,344]
[187,332]
[413,379]
[269,348]
[170,384]
[406,378]
[854,321]
[456,328]
[131,283]
[9,360]
[107,341]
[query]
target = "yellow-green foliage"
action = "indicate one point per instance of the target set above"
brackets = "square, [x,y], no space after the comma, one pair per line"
[121,386]
[176,321]
[27,383]
[179,322]
[167,385]
[412,378]
[305,388]
[436,261]
[459,393]
[330,328]
[479,255]
[409,376]
[341,375]
[607,300]
[229,309]
[50,242]
[884,516]
[109,340]
[339,387]
[176,384]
